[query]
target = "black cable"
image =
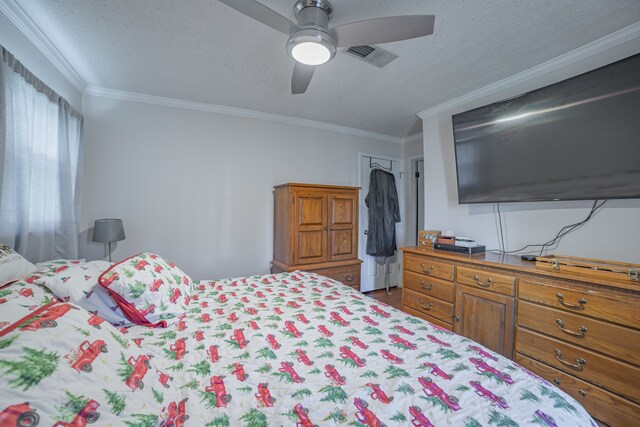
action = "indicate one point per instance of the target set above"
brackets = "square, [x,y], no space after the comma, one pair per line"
[501,232]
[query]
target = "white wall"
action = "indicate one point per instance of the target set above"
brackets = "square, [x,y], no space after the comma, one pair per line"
[196,187]
[21,47]
[614,234]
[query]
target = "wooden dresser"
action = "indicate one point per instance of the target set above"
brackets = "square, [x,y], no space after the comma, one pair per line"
[580,333]
[316,229]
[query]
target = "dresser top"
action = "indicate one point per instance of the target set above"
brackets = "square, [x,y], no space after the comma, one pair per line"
[298,184]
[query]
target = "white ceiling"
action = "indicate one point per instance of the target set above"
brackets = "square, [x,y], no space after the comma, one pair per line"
[203,51]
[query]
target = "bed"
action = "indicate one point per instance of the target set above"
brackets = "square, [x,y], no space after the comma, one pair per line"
[286,349]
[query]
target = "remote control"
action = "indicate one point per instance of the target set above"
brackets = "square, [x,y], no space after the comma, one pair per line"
[528,257]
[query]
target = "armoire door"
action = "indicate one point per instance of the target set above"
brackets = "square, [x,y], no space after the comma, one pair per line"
[343,226]
[310,232]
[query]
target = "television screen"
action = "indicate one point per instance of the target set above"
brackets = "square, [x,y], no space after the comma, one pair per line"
[578,139]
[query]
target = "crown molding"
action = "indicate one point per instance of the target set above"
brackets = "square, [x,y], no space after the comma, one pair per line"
[25,24]
[121,95]
[602,44]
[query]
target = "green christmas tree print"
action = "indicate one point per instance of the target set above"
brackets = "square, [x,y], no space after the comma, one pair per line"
[395,372]
[305,392]
[137,289]
[31,368]
[75,404]
[337,416]
[202,368]
[221,421]
[6,342]
[558,400]
[531,397]
[125,369]
[157,396]
[501,420]
[323,342]
[143,420]
[254,418]
[472,422]
[333,394]
[398,417]
[208,398]
[120,339]
[116,401]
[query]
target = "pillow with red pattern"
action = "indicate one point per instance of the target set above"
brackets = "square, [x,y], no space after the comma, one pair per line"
[13,266]
[150,290]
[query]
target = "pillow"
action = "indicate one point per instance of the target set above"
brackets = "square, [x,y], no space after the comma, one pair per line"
[54,366]
[149,290]
[13,266]
[78,283]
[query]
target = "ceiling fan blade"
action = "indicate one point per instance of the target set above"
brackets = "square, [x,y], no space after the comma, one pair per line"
[263,14]
[383,30]
[301,77]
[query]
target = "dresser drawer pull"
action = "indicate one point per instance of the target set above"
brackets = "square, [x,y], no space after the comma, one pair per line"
[348,277]
[556,381]
[582,331]
[579,306]
[582,393]
[426,287]
[578,365]
[425,269]
[484,284]
[427,306]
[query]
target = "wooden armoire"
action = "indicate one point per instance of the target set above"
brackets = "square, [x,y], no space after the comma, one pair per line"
[316,229]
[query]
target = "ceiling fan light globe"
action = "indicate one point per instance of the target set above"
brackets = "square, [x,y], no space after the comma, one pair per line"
[311,46]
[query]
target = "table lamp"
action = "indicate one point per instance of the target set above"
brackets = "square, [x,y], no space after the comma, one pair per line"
[108,230]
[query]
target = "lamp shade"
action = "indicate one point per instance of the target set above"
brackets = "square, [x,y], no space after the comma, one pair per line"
[108,230]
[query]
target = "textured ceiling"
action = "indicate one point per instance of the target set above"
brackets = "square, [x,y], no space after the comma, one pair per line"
[201,50]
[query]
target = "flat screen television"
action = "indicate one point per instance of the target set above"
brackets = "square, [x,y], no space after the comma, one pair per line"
[578,139]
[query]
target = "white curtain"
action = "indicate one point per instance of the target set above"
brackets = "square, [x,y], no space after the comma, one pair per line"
[40,166]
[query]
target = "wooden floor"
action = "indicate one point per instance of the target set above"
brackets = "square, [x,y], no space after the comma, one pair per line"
[394,300]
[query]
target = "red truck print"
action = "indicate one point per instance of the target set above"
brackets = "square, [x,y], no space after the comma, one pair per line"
[271,339]
[253,325]
[164,378]
[316,290]
[337,318]
[232,317]
[262,305]
[31,279]
[140,264]
[260,294]
[291,328]
[356,341]
[303,416]
[252,311]
[245,300]
[346,353]
[370,321]
[181,325]
[95,321]
[202,287]
[303,358]
[437,341]
[206,318]
[293,304]
[302,318]
[175,296]
[222,298]
[264,395]
[441,329]
[364,415]
[330,297]
[158,268]
[185,281]
[324,331]
[109,278]
[86,354]
[198,335]
[217,387]
[395,360]
[435,370]
[61,268]
[156,285]
[179,347]
[278,311]
[404,330]
[19,415]
[148,310]
[378,394]
[87,415]
[203,304]
[47,319]
[26,292]
[288,368]
[345,310]
[137,341]
[482,352]
[546,418]
[3,300]
[419,419]
[483,366]
[397,339]
[238,336]
[431,389]
[332,372]
[295,290]
[319,304]
[212,352]
[380,311]
[140,367]
[176,414]
[495,400]
[239,372]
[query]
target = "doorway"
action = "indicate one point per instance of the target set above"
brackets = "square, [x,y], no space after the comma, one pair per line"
[375,274]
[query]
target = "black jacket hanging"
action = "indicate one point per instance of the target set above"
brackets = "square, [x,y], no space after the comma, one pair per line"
[384,213]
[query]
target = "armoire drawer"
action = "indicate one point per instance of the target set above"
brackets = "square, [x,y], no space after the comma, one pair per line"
[428,305]
[428,267]
[349,275]
[601,404]
[603,305]
[494,282]
[429,286]
[617,341]
[611,374]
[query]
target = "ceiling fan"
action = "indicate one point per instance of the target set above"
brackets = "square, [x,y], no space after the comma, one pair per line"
[311,41]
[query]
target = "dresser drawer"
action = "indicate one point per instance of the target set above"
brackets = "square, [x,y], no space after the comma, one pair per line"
[429,267]
[349,275]
[619,377]
[427,305]
[613,340]
[495,282]
[429,286]
[426,317]
[603,304]
[601,404]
